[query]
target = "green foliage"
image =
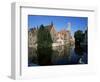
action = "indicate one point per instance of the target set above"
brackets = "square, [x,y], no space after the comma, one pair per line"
[44,37]
[44,48]
[79,36]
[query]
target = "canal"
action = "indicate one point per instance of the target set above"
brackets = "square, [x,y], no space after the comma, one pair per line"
[60,55]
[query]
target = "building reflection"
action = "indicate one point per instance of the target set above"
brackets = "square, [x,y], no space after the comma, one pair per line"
[60,55]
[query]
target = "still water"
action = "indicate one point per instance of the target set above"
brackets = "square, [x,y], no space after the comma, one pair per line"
[60,55]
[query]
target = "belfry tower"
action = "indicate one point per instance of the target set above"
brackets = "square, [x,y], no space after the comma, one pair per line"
[69,26]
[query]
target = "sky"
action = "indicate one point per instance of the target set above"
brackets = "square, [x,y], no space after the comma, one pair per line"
[59,22]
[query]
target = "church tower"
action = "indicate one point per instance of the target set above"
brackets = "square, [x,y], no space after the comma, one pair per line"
[69,26]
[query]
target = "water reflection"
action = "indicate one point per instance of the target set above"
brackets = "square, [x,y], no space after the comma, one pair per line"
[60,55]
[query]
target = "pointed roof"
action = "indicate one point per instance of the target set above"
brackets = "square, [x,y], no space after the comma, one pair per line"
[48,27]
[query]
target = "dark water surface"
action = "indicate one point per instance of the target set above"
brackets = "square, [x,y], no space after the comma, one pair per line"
[60,55]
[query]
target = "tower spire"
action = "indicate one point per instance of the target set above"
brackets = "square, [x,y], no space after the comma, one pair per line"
[51,23]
